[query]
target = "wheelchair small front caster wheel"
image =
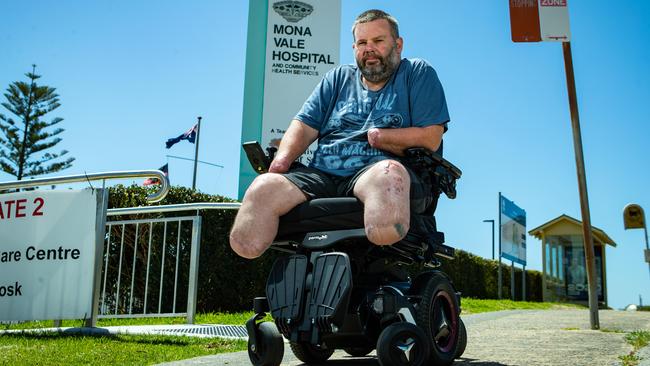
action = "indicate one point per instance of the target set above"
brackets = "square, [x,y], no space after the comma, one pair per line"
[269,348]
[358,351]
[402,344]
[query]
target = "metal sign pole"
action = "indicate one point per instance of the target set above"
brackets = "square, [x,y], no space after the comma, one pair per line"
[582,187]
[100,237]
[512,280]
[492,239]
[647,249]
[492,222]
[196,152]
[500,274]
[523,284]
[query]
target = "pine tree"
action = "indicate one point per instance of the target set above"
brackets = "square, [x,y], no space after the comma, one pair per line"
[23,147]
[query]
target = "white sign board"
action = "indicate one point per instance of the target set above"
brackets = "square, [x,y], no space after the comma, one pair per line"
[554,20]
[513,231]
[47,254]
[302,44]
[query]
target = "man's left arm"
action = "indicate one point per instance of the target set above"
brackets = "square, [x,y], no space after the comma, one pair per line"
[396,140]
[428,113]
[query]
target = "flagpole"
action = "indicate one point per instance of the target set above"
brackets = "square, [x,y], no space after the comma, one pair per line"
[196,152]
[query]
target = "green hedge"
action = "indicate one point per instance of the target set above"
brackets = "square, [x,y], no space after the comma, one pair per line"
[228,282]
[477,277]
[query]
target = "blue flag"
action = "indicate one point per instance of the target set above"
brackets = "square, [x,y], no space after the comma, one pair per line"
[190,136]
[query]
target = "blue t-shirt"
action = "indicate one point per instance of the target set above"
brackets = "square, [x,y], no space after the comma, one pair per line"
[342,109]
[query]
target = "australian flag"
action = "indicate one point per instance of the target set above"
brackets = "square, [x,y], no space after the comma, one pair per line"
[190,136]
[152,181]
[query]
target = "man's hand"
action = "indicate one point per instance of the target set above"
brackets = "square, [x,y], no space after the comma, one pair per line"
[294,142]
[279,165]
[373,137]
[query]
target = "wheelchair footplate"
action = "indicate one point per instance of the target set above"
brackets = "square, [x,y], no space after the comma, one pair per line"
[284,290]
[327,287]
[331,284]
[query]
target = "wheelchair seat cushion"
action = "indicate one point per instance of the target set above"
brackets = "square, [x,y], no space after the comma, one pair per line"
[341,213]
[322,214]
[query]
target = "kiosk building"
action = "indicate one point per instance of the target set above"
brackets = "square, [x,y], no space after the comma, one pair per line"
[563,260]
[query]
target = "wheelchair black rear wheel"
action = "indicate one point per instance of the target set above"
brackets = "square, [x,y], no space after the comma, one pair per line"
[308,353]
[438,315]
[402,344]
[462,339]
[269,350]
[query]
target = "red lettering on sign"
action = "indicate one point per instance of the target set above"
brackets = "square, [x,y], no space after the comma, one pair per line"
[37,211]
[523,3]
[20,208]
[9,204]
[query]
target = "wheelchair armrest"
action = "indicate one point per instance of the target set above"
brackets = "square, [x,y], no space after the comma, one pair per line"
[429,159]
[427,162]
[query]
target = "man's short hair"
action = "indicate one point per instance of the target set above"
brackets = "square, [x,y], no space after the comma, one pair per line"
[376,14]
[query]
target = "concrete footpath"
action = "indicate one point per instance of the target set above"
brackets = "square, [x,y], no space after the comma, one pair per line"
[520,337]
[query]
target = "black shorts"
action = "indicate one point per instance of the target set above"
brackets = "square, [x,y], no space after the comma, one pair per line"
[318,184]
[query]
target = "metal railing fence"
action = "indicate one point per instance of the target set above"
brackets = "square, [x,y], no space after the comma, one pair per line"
[150,266]
[138,256]
[156,196]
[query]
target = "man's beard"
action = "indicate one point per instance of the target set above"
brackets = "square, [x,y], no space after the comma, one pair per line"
[382,70]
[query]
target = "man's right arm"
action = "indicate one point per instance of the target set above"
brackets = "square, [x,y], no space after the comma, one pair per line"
[294,142]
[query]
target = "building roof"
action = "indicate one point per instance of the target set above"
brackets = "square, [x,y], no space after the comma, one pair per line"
[599,234]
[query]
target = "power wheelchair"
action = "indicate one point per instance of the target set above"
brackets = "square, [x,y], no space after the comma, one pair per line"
[336,290]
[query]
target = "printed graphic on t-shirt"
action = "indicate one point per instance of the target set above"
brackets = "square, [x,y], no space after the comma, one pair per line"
[344,143]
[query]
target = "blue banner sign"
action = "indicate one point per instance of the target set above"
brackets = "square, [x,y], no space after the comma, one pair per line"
[513,231]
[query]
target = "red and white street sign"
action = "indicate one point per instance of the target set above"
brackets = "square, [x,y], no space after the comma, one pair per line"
[554,20]
[524,21]
[47,254]
[539,20]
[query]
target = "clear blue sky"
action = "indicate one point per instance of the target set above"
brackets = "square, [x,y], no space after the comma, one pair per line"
[131,74]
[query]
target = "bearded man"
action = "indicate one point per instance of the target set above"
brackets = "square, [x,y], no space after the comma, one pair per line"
[364,117]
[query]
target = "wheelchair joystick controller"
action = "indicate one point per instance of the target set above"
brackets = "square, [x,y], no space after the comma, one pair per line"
[259,161]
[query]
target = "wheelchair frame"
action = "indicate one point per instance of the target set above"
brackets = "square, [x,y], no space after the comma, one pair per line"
[314,304]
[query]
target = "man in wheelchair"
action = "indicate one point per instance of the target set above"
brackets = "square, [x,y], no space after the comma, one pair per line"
[360,210]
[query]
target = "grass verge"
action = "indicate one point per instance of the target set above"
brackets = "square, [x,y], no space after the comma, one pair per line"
[474,306]
[39,348]
[60,349]
[207,318]
[637,339]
